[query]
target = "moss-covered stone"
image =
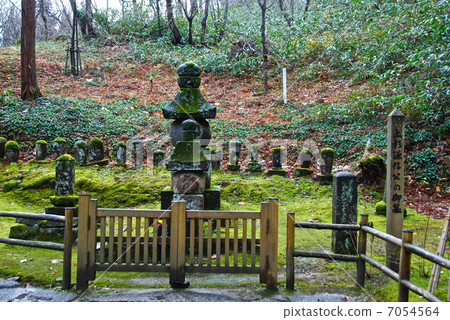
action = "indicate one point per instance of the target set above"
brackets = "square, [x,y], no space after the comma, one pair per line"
[64,201]
[2,147]
[380,208]
[97,149]
[372,170]
[303,172]
[327,152]
[12,151]
[12,145]
[41,142]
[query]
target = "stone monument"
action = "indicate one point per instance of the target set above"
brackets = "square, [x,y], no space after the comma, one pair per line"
[190,133]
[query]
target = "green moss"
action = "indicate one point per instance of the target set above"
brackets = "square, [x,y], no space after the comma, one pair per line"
[380,208]
[97,143]
[12,145]
[65,157]
[122,144]
[41,142]
[10,185]
[36,180]
[184,152]
[2,139]
[327,151]
[64,201]
[303,172]
[59,139]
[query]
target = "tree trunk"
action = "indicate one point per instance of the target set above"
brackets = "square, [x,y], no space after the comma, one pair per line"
[263,6]
[284,12]
[29,85]
[89,25]
[43,12]
[171,22]
[158,16]
[204,19]
[306,8]
[224,21]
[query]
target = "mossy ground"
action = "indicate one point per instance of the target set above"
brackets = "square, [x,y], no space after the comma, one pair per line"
[120,187]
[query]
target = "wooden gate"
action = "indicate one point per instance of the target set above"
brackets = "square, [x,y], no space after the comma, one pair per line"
[177,241]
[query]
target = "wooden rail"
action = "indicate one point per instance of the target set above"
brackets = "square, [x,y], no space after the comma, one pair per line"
[407,249]
[66,247]
[177,241]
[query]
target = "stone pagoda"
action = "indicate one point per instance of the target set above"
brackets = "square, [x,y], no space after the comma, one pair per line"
[190,133]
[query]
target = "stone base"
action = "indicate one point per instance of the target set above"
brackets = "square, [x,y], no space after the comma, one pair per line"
[39,234]
[211,199]
[180,285]
[303,172]
[100,163]
[277,172]
[44,223]
[193,201]
[233,167]
[254,167]
[60,211]
[325,178]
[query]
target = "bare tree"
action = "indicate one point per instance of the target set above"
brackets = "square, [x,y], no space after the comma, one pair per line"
[156,5]
[204,19]
[264,7]
[43,11]
[89,25]
[190,11]
[29,85]
[9,23]
[283,8]
[220,17]
[171,22]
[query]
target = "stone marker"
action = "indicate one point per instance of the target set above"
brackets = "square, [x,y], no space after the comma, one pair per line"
[235,153]
[96,149]
[12,151]
[59,147]
[138,153]
[2,147]
[80,152]
[122,153]
[41,150]
[158,158]
[216,158]
[254,165]
[345,199]
[326,165]
[395,184]
[305,164]
[277,169]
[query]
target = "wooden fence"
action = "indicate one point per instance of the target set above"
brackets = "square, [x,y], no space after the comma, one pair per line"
[177,241]
[66,247]
[407,249]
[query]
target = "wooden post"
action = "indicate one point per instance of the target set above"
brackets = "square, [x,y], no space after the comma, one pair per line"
[82,256]
[405,267]
[178,245]
[272,245]
[394,184]
[290,235]
[362,246]
[263,243]
[92,239]
[435,274]
[68,240]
